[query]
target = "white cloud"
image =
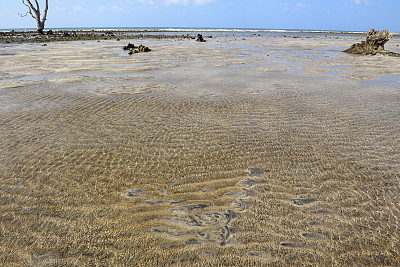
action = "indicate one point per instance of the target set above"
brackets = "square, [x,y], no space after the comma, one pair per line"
[78,8]
[173,2]
[285,6]
[176,2]
[148,2]
[102,8]
[302,5]
[365,2]
[60,9]
[117,8]
[183,2]
[203,2]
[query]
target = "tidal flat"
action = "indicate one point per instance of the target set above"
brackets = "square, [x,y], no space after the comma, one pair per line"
[241,151]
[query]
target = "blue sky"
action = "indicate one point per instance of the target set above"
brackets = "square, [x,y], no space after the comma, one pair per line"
[351,15]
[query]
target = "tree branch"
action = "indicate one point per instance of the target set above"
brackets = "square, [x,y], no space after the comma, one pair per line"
[45,11]
[37,5]
[30,8]
[29,5]
[23,15]
[37,10]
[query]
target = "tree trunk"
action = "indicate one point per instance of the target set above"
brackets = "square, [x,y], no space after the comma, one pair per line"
[40,27]
[375,43]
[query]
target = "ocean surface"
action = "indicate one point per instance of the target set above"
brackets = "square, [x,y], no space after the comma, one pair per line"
[184,29]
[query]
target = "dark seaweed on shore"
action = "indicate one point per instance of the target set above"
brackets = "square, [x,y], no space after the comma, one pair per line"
[57,36]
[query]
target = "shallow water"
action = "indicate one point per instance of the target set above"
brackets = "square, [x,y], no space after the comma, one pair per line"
[191,155]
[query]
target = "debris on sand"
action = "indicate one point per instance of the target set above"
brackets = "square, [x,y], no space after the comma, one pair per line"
[136,49]
[200,38]
[373,45]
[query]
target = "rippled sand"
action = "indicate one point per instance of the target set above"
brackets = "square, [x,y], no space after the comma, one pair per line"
[233,152]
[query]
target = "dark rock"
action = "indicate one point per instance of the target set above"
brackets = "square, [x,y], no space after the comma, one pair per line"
[66,34]
[143,48]
[50,32]
[129,46]
[200,38]
[140,48]
[373,45]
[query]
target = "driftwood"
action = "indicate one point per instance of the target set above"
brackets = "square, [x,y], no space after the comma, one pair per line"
[200,38]
[375,44]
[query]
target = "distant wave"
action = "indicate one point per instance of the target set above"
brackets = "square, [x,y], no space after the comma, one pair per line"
[193,29]
[185,29]
[253,30]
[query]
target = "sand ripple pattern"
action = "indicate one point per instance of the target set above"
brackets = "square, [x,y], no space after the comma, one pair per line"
[295,172]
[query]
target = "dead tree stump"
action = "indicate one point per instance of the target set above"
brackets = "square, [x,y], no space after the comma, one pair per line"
[375,43]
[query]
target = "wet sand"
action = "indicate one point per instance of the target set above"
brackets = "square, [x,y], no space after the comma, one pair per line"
[235,152]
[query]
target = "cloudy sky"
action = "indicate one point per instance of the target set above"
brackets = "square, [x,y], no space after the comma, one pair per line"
[350,15]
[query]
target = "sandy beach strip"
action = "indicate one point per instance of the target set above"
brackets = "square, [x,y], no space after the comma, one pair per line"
[241,151]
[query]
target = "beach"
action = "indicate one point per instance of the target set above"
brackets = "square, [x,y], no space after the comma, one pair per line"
[245,150]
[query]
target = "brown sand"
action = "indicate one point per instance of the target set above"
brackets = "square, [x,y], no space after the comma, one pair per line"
[233,152]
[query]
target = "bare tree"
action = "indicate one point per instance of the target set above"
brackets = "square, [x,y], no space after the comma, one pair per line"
[34,11]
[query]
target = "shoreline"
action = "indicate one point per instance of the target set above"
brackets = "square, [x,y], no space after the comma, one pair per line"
[31,36]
